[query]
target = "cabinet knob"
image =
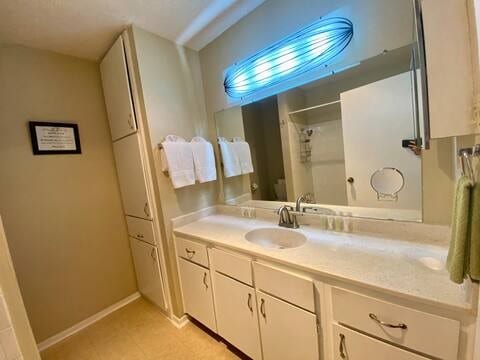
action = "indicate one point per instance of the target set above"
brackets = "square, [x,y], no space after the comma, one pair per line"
[350,180]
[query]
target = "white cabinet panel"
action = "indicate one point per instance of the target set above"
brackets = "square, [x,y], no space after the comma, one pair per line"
[197,292]
[147,267]
[286,285]
[192,250]
[236,310]
[351,345]
[449,68]
[287,332]
[234,265]
[132,177]
[116,89]
[424,332]
[141,229]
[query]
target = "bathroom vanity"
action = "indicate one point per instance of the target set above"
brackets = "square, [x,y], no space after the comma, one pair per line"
[368,294]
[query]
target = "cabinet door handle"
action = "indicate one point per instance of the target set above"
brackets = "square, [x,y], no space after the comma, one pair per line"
[130,122]
[190,253]
[249,302]
[382,323]
[341,347]
[153,254]
[262,308]
[145,209]
[205,280]
[140,236]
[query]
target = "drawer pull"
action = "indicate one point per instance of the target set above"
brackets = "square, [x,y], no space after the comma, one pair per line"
[398,326]
[262,308]
[130,123]
[249,302]
[146,210]
[140,236]
[341,347]
[190,253]
[205,281]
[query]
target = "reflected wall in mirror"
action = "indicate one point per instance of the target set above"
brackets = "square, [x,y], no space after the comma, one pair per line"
[333,137]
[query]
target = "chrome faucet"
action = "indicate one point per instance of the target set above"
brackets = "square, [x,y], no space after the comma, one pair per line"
[308,198]
[287,219]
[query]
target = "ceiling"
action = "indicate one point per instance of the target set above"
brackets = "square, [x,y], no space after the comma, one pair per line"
[86,28]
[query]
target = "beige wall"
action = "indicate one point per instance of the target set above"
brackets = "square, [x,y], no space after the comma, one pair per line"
[62,213]
[171,87]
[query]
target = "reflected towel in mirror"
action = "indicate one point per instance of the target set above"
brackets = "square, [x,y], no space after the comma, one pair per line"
[203,159]
[244,154]
[231,163]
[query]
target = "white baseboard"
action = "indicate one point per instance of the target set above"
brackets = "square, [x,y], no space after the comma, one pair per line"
[179,322]
[87,322]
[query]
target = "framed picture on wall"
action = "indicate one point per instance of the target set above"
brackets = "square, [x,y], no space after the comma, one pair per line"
[49,138]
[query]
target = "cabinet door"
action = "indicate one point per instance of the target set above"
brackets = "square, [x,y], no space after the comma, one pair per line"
[449,71]
[288,332]
[197,292]
[147,267]
[237,319]
[351,345]
[132,177]
[116,89]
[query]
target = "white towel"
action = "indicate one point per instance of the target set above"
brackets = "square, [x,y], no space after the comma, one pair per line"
[203,159]
[231,164]
[179,159]
[244,155]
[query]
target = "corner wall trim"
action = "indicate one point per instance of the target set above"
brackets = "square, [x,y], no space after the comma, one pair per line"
[87,322]
[179,322]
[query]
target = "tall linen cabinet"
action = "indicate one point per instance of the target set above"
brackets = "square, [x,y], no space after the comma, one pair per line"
[134,173]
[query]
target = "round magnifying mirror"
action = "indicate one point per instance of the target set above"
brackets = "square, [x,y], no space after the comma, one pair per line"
[387,182]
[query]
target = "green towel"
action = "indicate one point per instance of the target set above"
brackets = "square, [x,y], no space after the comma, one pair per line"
[458,255]
[475,232]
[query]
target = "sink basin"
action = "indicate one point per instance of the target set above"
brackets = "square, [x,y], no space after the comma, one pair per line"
[276,238]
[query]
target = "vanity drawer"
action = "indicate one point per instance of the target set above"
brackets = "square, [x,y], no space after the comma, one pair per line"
[286,285]
[361,347]
[236,266]
[427,333]
[140,229]
[193,251]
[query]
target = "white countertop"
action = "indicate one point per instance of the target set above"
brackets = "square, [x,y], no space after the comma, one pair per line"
[392,265]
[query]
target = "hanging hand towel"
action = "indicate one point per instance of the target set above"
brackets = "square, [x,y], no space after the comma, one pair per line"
[458,260]
[475,232]
[231,164]
[203,159]
[179,158]
[244,155]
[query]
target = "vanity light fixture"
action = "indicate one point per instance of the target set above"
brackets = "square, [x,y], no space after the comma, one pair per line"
[298,53]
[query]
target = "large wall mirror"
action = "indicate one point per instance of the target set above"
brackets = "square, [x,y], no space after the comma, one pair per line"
[348,141]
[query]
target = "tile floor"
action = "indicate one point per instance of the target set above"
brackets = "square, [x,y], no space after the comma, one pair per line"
[140,332]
